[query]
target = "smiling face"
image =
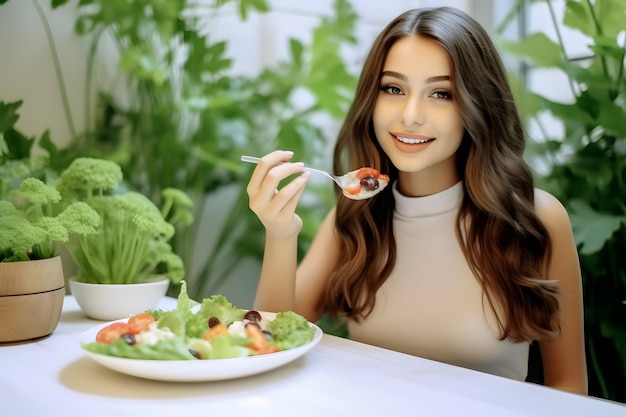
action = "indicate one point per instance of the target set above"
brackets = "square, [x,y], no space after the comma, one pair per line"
[416,118]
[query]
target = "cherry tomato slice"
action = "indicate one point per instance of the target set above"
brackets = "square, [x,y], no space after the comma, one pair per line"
[367,172]
[140,322]
[258,340]
[112,332]
[353,190]
[216,330]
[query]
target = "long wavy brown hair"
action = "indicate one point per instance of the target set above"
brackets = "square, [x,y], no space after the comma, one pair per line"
[496,216]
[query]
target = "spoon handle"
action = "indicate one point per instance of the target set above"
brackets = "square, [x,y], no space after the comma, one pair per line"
[337,180]
[252,159]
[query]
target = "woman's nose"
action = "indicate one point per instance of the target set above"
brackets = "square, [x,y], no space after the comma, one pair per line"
[412,113]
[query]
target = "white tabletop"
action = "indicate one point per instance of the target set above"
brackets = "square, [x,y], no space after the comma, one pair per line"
[53,377]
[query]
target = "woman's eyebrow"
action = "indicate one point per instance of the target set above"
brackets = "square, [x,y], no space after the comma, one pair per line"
[405,78]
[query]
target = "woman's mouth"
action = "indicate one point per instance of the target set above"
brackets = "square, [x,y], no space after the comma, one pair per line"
[412,141]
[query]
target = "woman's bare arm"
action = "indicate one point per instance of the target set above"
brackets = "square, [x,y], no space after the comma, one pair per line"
[283,285]
[316,268]
[276,209]
[564,356]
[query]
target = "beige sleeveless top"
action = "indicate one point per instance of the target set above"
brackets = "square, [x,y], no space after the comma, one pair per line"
[432,306]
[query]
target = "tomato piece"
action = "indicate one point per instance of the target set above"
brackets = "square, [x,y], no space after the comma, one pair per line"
[367,172]
[112,332]
[140,322]
[259,343]
[353,190]
[217,330]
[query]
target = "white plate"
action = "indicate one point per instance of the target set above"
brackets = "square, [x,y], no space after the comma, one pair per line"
[201,370]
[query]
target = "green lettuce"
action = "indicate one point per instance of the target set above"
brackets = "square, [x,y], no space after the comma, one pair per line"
[218,306]
[182,321]
[290,330]
[166,350]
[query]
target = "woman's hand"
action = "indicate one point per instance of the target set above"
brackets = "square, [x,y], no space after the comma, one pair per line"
[275,208]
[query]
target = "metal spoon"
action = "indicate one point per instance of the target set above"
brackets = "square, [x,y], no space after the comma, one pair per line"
[345,182]
[340,180]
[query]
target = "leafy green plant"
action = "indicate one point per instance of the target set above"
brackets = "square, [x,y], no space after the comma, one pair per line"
[34,220]
[585,168]
[16,151]
[29,227]
[185,119]
[130,244]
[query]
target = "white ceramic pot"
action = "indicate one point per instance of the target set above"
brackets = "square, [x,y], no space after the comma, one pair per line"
[117,301]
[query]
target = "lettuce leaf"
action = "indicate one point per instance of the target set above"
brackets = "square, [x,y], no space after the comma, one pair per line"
[290,330]
[166,350]
[218,306]
[224,347]
[182,321]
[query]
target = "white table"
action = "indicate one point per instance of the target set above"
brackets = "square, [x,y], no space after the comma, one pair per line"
[338,377]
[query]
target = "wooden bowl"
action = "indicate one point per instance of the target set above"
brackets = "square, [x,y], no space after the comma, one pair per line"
[31,299]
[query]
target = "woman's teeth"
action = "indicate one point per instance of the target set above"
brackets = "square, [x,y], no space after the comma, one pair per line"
[412,141]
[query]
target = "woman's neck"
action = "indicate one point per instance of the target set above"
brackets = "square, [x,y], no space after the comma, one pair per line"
[420,184]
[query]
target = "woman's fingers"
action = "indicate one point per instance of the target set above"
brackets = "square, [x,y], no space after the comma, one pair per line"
[276,209]
[280,200]
[268,199]
[267,163]
[299,183]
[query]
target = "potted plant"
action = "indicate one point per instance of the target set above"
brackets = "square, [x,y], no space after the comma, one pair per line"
[128,264]
[185,117]
[32,285]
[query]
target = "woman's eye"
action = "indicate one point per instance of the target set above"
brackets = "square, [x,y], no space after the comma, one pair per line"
[442,95]
[392,90]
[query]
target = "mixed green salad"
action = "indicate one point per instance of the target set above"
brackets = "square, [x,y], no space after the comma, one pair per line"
[215,330]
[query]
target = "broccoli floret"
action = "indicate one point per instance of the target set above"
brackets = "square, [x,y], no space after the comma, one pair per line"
[79,218]
[89,177]
[39,194]
[17,235]
[28,228]
[177,207]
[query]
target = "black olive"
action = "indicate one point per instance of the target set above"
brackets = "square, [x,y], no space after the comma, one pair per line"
[370,183]
[129,339]
[253,316]
[213,321]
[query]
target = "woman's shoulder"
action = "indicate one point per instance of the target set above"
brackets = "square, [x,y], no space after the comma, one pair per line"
[550,210]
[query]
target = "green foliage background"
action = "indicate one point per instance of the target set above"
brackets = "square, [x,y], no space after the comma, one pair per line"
[586,167]
[185,118]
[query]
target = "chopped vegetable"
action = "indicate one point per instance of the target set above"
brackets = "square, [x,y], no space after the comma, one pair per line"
[218,330]
[219,306]
[290,330]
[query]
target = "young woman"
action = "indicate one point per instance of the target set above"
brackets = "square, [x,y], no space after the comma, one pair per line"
[461,259]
